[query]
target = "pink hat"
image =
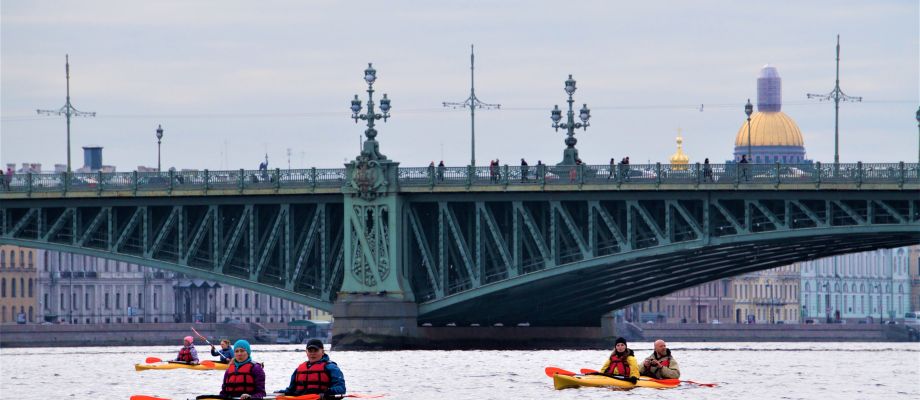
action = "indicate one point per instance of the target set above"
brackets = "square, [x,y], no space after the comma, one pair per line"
[189,339]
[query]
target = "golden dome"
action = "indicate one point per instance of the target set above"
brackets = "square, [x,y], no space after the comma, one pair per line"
[770,129]
[679,157]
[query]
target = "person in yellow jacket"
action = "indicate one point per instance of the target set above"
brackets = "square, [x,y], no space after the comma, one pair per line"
[622,362]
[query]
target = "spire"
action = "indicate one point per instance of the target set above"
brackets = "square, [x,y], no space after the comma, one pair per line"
[679,160]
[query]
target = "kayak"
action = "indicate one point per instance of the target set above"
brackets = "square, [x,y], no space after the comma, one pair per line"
[574,381]
[169,365]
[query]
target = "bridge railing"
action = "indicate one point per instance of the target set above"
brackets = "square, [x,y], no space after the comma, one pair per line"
[503,175]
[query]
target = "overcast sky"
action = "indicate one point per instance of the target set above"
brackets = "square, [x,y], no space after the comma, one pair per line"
[232,80]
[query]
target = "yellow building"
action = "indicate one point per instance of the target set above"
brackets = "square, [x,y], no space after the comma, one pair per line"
[18,284]
[679,160]
[770,296]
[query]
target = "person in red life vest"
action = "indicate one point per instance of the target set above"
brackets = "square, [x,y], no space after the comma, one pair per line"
[661,364]
[188,354]
[622,362]
[318,375]
[243,379]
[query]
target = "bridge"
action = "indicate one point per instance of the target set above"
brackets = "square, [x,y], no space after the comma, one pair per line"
[541,245]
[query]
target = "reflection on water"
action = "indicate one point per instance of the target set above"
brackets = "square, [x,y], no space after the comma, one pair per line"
[742,370]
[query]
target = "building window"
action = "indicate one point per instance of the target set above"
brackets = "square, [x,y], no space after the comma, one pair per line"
[118,301]
[30,260]
[246,301]
[73,301]
[47,302]
[156,306]
[2,287]
[13,287]
[2,258]
[226,300]
[236,300]
[129,300]
[106,296]
[86,301]
[140,301]
[61,304]
[22,287]
[22,258]
[256,301]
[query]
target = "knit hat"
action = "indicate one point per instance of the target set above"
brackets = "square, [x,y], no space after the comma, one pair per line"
[242,344]
[188,339]
[620,340]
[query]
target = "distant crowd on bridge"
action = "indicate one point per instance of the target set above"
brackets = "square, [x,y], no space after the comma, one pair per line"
[615,173]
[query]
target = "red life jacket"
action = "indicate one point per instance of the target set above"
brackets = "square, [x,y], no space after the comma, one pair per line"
[618,366]
[239,381]
[314,378]
[185,354]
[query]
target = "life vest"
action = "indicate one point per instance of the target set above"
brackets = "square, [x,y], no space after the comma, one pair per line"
[618,366]
[239,381]
[313,378]
[185,354]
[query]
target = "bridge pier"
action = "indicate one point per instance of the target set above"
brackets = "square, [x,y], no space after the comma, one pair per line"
[374,322]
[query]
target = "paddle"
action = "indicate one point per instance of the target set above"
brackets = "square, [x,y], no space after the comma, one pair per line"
[669,381]
[152,360]
[206,363]
[280,397]
[202,337]
[587,371]
[550,371]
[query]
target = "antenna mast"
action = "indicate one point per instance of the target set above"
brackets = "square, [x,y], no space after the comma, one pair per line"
[67,110]
[837,95]
[472,103]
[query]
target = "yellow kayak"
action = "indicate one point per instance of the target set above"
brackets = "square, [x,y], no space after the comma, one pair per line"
[574,381]
[169,365]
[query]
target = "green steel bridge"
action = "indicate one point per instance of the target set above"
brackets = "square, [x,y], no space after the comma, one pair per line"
[544,245]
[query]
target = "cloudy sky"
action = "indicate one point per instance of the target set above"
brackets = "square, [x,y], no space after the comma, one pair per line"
[232,80]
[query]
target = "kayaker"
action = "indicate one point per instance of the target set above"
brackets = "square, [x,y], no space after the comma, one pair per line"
[243,379]
[661,364]
[188,354]
[225,352]
[318,375]
[622,362]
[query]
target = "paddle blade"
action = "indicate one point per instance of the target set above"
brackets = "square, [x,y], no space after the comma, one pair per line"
[550,371]
[586,371]
[365,396]
[207,363]
[301,397]
[145,397]
[151,360]
[702,384]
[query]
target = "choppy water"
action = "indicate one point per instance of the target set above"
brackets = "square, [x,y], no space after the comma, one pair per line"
[742,371]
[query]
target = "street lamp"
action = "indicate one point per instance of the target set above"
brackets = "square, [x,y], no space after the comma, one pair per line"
[878,288]
[770,288]
[570,155]
[918,137]
[159,138]
[749,109]
[371,148]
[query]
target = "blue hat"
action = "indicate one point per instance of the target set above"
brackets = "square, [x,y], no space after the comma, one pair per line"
[242,344]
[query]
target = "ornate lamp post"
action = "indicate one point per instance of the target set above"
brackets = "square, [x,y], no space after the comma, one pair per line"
[571,153]
[371,148]
[749,109]
[159,138]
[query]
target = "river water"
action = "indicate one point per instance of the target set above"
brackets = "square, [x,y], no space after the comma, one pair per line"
[742,371]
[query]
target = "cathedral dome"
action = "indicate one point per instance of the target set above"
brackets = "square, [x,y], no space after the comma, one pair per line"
[679,158]
[770,129]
